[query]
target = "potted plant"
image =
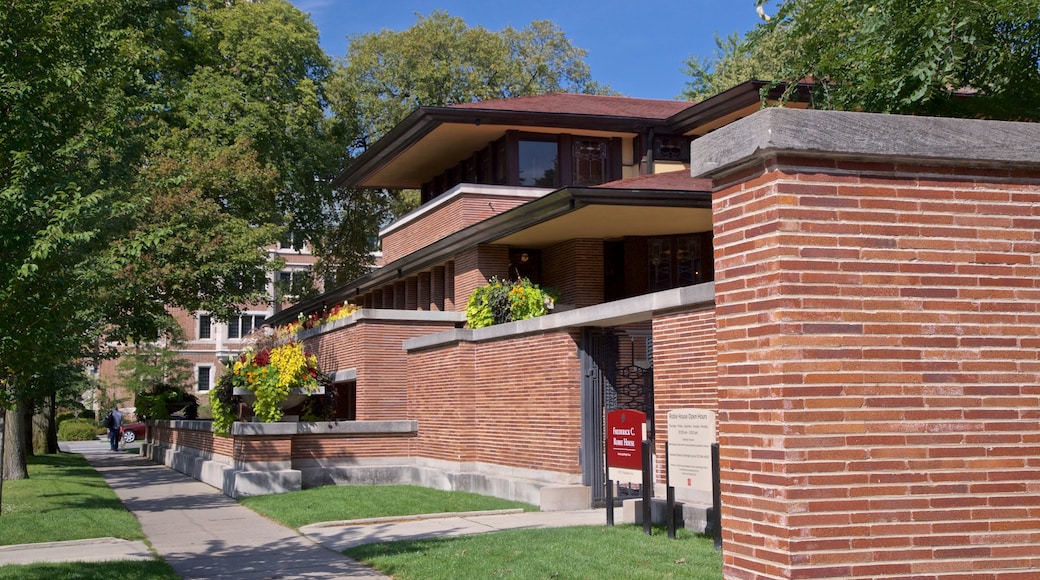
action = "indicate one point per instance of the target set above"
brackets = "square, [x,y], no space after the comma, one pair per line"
[501,301]
[270,378]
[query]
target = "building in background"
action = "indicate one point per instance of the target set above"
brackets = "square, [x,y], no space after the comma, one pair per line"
[208,342]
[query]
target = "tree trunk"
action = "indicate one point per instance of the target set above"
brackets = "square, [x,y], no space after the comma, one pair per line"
[3,416]
[15,444]
[45,433]
[52,424]
[27,427]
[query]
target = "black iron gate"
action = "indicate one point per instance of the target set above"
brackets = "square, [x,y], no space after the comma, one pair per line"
[617,369]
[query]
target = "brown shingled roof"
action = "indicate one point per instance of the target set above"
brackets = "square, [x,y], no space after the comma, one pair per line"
[670,181]
[575,104]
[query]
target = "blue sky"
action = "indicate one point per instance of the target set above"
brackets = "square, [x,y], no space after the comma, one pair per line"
[637,48]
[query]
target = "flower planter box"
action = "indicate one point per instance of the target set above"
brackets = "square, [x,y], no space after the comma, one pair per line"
[296,396]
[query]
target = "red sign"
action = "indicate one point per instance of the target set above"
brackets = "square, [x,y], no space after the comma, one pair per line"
[624,438]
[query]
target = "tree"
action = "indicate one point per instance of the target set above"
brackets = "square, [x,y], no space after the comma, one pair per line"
[736,60]
[439,61]
[149,150]
[147,365]
[937,57]
[69,101]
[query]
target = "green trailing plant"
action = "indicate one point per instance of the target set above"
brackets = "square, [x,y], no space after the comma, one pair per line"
[501,301]
[322,408]
[224,402]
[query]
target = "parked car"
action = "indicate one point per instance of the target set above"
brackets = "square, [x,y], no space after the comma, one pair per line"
[132,432]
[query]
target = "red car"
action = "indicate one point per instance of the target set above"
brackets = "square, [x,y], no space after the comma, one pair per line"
[132,432]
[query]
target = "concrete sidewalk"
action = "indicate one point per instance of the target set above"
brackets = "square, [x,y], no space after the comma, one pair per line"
[202,533]
[92,550]
[339,536]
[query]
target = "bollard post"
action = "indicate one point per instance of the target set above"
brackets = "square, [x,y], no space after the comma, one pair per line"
[670,497]
[716,497]
[648,482]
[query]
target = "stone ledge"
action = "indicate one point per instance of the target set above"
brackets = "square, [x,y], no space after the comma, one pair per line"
[399,427]
[690,516]
[616,313]
[230,481]
[865,136]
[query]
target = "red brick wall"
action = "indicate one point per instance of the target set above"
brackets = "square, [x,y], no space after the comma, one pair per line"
[441,387]
[463,211]
[879,376]
[474,267]
[513,402]
[337,446]
[437,289]
[203,441]
[575,269]
[373,348]
[684,369]
[267,448]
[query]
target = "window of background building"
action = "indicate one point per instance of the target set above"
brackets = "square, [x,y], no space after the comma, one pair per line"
[241,326]
[293,283]
[291,241]
[205,326]
[203,378]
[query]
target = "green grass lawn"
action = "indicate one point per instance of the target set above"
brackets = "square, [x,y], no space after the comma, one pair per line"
[352,502]
[592,552]
[63,499]
[623,551]
[154,570]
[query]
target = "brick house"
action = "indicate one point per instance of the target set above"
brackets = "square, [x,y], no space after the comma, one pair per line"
[857,296]
[589,195]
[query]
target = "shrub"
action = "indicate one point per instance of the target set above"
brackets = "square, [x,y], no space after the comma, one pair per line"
[77,430]
[62,417]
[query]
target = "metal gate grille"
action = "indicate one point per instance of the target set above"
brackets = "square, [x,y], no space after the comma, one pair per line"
[617,366]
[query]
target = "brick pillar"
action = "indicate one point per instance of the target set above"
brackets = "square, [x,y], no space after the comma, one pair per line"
[449,287]
[473,268]
[575,269]
[878,338]
[399,293]
[423,285]
[411,293]
[437,293]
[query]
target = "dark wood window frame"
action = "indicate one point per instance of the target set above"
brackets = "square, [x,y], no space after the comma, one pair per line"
[499,162]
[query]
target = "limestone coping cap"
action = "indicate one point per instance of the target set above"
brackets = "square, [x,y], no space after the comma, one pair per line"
[865,136]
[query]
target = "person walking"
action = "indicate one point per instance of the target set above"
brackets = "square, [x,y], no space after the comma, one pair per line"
[114,422]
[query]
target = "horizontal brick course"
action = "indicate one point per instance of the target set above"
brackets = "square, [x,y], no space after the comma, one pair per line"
[890,374]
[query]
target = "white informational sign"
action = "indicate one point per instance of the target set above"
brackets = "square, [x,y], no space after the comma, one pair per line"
[691,433]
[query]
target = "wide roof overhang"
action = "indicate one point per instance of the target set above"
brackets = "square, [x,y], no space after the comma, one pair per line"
[565,214]
[432,139]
